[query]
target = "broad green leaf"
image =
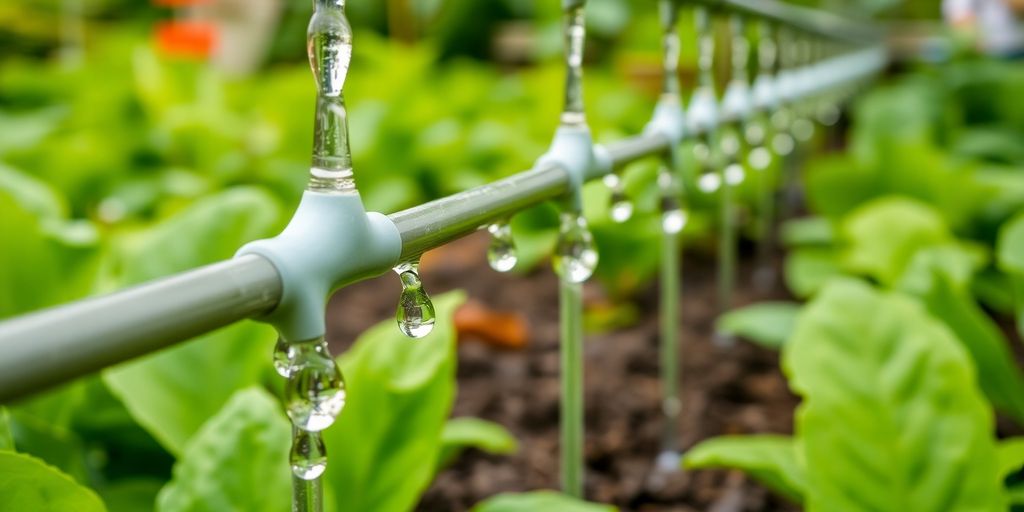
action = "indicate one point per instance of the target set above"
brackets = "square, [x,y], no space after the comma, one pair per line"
[808,231]
[769,459]
[1016,496]
[1011,455]
[883,235]
[43,427]
[33,195]
[940,287]
[892,418]
[957,262]
[237,461]
[994,289]
[767,323]
[6,440]
[462,433]
[209,230]
[44,270]
[1010,258]
[172,393]
[400,393]
[131,495]
[538,501]
[806,270]
[27,483]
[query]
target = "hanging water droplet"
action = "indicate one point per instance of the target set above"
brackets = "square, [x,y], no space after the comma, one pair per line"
[501,253]
[673,217]
[315,392]
[755,134]
[803,129]
[709,182]
[329,47]
[574,34]
[282,358]
[575,256]
[734,174]
[308,456]
[415,313]
[783,144]
[759,158]
[621,208]
[828,113]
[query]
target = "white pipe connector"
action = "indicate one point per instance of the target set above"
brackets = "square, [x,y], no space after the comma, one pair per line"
[738,101]
[702,113]
[765,96]
[574,150]
[330,242]
[669,120]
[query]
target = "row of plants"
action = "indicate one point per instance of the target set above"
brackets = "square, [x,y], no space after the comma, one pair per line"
[910,261]
[147,167]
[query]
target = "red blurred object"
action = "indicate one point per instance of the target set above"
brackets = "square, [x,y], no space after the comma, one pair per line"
[179,3]
[496,328]
[193,39]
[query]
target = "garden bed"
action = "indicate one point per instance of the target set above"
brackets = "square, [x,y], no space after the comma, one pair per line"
[725,391]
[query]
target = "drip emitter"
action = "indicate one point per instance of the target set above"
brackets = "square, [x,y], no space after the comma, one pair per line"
[330,241]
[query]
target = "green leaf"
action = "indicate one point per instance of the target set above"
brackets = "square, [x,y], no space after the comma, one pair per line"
[769,459]
[1011,455]
[44,270]
[538,501]
[808,231]
[892,418]
[172,393]
[884,234]
[32,194]
[938,282]
[209,230]
[131,495]
[6,440]
[27,483]
[807,270]
[400,392]
[767,323]
[1010,259]
[237,461]
[462,433]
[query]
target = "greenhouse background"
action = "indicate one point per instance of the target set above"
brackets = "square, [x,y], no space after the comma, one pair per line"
[812,302]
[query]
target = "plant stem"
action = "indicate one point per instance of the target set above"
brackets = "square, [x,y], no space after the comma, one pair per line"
[726,246]
[669,320]
[571,301]
[307,495]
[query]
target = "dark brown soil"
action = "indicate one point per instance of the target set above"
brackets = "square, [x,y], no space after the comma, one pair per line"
[733,390]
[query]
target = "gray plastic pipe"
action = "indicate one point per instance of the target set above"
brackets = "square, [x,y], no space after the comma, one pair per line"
[56,345]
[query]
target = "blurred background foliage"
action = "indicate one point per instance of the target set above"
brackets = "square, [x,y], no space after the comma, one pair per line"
[122,164]
[443,95]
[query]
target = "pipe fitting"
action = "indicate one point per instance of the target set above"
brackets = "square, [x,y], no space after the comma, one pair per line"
[330,242]
[737,102]
[573,150]
[702,113]
[668,120]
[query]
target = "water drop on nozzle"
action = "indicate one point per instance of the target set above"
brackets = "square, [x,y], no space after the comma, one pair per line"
[308,456]
[282,358]
[315,392]
[415,314]
[575,257]
[501,253]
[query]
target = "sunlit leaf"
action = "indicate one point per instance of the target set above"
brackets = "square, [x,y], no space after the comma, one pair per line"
[771,460]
